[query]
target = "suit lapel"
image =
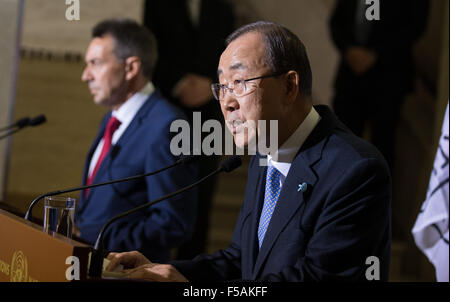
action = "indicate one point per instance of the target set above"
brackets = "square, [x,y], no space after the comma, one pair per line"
[288,203]
[124,138]
[83,201]
[131,130]
[94,146]
[250,244]
[290,199]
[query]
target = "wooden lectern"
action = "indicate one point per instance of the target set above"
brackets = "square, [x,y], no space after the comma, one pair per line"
[29,254]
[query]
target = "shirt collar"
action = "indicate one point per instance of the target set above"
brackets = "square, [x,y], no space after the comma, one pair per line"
[128,110]
[286,153]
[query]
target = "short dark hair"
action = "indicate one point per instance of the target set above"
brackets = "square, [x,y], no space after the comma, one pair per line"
[131,39]
[285,51]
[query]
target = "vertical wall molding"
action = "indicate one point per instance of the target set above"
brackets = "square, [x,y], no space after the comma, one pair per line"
[11,13]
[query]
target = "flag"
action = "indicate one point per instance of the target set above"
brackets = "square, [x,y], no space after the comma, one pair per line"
[431,228]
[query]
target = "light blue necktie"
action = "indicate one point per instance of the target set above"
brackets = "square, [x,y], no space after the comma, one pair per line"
[273,189]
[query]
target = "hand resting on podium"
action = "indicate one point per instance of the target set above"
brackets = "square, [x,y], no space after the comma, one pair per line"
[117,272]
[137,266]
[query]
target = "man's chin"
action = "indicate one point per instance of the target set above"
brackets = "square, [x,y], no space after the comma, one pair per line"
[241,144]
[100,101]
[246,143]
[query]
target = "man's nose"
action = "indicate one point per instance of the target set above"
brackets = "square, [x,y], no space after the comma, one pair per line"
[86,75]
[229,102]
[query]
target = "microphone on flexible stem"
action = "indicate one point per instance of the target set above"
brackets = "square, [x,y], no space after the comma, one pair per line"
[95,269]
[38,120]
[184,159]
[19,124]
[22,123]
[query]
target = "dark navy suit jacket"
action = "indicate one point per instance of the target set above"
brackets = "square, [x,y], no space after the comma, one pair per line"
[324,233]
[142,148]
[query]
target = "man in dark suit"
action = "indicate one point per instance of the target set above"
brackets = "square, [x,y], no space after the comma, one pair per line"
[134,138]
[191,36]
[376,69]
[320,209]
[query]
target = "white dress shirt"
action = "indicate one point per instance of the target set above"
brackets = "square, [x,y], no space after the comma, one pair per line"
[286,153]
[125,115]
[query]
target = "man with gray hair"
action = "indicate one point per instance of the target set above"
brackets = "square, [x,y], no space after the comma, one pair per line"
[133,139]
[320,209]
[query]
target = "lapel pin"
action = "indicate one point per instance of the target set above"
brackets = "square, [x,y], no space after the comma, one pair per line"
[302,187]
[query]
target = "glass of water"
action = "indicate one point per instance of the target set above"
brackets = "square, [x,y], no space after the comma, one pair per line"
[59,215]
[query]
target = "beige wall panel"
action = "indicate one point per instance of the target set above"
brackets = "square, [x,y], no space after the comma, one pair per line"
[52,156]
[46,26]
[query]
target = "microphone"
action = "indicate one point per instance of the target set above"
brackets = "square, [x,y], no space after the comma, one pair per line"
[19,123]
[95,270]
[40,119]
[184,159]
[24,122]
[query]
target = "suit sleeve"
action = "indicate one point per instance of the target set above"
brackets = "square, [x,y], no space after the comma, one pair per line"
[173,220]
[221,266]
[353,224]
[167,224]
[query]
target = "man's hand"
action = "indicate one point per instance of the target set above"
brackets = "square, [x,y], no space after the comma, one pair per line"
[139,267]
[129,260]
[156,272]
[194,90]
[360,59]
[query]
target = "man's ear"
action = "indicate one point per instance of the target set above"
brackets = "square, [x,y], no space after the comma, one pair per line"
[133,66]
[292,85]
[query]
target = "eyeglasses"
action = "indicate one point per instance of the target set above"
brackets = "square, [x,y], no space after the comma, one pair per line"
[239,88]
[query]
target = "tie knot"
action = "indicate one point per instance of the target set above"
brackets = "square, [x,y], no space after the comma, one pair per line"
[273,175]
[112,125]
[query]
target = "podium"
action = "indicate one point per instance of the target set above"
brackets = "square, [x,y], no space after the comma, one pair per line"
[28,254]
